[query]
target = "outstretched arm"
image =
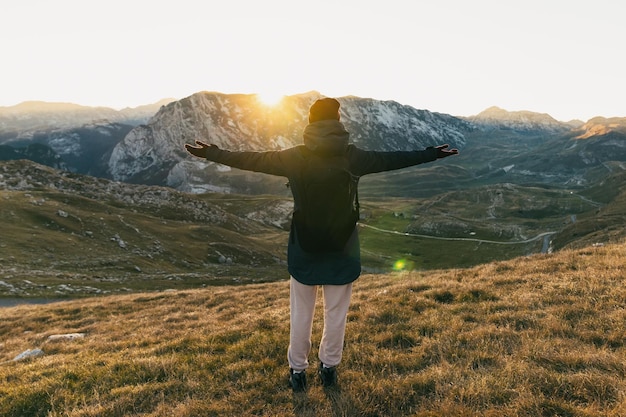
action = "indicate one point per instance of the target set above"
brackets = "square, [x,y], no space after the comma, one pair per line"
[376,161]
[269,162]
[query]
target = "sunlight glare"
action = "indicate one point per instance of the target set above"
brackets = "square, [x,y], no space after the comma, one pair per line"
[270,98]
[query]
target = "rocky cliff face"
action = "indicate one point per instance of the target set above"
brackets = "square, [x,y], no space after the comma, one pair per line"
[85,149]
[154,153]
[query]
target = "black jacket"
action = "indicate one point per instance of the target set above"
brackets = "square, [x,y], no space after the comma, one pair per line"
[327,137]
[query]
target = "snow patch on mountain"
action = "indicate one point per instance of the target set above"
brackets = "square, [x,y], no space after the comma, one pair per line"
[64,144]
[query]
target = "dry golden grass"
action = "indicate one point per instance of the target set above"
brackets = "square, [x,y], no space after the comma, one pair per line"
[537,336]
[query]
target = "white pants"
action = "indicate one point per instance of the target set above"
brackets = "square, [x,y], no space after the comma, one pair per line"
[302,304]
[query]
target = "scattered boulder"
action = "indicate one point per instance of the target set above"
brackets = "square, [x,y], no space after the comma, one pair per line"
[67,336]
[29,353]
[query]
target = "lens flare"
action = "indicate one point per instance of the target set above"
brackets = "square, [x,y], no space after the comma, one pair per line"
[399,265]
[403,265]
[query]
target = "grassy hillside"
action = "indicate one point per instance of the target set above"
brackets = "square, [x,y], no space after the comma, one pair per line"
[68,235]
[533,336]
[65,235]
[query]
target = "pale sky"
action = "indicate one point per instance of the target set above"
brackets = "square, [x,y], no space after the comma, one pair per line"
[561,57]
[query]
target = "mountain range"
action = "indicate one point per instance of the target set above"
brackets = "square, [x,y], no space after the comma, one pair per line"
[145,145]
[31,116]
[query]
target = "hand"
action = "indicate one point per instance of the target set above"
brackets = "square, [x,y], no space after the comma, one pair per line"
[200,151]
[443,151]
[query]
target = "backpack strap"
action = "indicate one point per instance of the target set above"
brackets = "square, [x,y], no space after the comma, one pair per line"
[356,194]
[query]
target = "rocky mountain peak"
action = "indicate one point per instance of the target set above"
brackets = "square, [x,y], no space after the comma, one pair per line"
[602,126]
[523,121]
[154,153]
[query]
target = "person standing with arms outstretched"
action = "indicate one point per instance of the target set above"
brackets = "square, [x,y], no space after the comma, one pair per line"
[315,260]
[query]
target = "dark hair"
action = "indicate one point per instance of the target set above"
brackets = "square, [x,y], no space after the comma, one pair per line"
[324,109]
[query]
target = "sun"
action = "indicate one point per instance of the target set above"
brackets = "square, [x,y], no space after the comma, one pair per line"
[270,98]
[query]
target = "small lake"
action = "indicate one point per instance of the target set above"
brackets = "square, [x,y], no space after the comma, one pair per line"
[12,302]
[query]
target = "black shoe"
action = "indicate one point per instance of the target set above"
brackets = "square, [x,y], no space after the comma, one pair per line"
[328,376]
[297,381]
